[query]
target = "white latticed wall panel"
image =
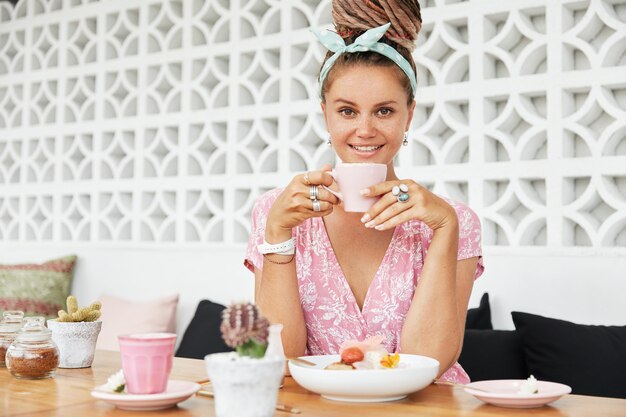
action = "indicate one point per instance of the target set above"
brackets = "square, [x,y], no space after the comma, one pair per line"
[159,122]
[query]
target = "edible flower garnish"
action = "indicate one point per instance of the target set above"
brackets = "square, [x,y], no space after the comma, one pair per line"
[116,382]
[390,361]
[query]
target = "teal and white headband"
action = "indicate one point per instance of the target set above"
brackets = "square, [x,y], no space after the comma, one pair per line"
[368,41]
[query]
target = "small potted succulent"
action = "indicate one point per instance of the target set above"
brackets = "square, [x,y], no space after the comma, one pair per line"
[75,332]
[246,381]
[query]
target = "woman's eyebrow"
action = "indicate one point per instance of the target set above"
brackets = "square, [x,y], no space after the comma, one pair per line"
[343,100]
[382,103]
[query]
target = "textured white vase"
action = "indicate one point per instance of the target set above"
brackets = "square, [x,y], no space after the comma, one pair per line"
[244,387]
[76,342]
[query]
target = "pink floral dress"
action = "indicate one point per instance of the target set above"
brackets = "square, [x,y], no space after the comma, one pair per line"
[330,310]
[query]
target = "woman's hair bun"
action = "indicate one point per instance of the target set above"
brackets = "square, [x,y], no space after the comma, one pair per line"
[361,15]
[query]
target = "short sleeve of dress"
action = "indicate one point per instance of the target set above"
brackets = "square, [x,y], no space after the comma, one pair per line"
[258,220]
[470,244]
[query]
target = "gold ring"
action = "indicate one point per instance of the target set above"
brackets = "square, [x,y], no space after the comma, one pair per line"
[306,178]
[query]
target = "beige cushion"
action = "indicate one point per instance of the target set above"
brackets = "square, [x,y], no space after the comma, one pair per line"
[123,316]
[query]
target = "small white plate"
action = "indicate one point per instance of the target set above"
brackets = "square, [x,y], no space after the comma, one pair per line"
[504,393]
[365,385]
[176,392]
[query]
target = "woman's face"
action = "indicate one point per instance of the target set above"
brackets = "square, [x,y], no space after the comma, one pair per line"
[366,113]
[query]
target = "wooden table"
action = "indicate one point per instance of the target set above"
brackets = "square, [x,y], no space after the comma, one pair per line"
[68,395]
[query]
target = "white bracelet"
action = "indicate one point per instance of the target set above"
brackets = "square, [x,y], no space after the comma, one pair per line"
[287,247]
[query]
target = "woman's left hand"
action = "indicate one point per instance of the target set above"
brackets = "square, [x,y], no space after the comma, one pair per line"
[393,209]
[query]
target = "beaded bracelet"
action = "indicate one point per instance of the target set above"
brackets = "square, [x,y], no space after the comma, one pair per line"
[279,263]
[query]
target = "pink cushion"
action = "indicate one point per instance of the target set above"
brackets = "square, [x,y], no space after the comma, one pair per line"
[122,316]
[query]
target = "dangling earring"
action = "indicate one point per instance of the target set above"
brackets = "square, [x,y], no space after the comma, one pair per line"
[405,142]
[329,141]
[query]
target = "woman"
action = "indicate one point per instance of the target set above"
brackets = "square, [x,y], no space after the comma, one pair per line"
[404,269]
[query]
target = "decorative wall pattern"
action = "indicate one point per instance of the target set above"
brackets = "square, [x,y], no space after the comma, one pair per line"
[156,122]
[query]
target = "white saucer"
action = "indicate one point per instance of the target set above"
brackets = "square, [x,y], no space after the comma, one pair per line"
[504,393]
[176,392]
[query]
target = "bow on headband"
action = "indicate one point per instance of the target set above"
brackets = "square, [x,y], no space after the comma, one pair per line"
[368,41]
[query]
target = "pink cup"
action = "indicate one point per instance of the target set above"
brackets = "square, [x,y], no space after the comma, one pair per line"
[147,361]
[352,178]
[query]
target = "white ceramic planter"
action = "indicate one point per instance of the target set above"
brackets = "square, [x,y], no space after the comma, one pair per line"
[76,342]
[244,387]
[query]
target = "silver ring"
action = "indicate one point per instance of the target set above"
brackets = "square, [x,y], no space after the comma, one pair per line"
[398,188]
[402,197]
[316,206]
[313,192]
[306,178]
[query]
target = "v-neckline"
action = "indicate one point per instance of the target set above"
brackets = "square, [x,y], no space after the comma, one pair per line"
[344,280]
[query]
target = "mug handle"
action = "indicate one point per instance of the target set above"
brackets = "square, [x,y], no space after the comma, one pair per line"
[335,193]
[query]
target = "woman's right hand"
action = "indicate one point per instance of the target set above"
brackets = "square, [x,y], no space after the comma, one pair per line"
[294,204]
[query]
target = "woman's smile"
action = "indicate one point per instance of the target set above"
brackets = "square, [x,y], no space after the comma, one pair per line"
[366,150]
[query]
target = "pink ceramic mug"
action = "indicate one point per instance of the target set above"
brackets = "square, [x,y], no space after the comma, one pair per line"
[352,178]
[147,361]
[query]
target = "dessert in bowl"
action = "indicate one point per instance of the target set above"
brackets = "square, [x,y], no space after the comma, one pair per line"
[377,376]
[365,385]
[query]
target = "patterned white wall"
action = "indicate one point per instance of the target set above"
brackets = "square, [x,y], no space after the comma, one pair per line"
[158,122]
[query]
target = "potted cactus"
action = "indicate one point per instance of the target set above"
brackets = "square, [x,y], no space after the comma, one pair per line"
[75,333]
[245,382]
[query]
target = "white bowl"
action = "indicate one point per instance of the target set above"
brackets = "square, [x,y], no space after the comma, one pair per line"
[365,385]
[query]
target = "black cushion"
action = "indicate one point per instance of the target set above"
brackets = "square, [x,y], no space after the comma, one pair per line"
[590,359]
[479,317]
[203,335]
[493,354]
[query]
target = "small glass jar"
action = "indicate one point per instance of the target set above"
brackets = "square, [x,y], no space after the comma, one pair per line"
[9,326]
[33,354]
